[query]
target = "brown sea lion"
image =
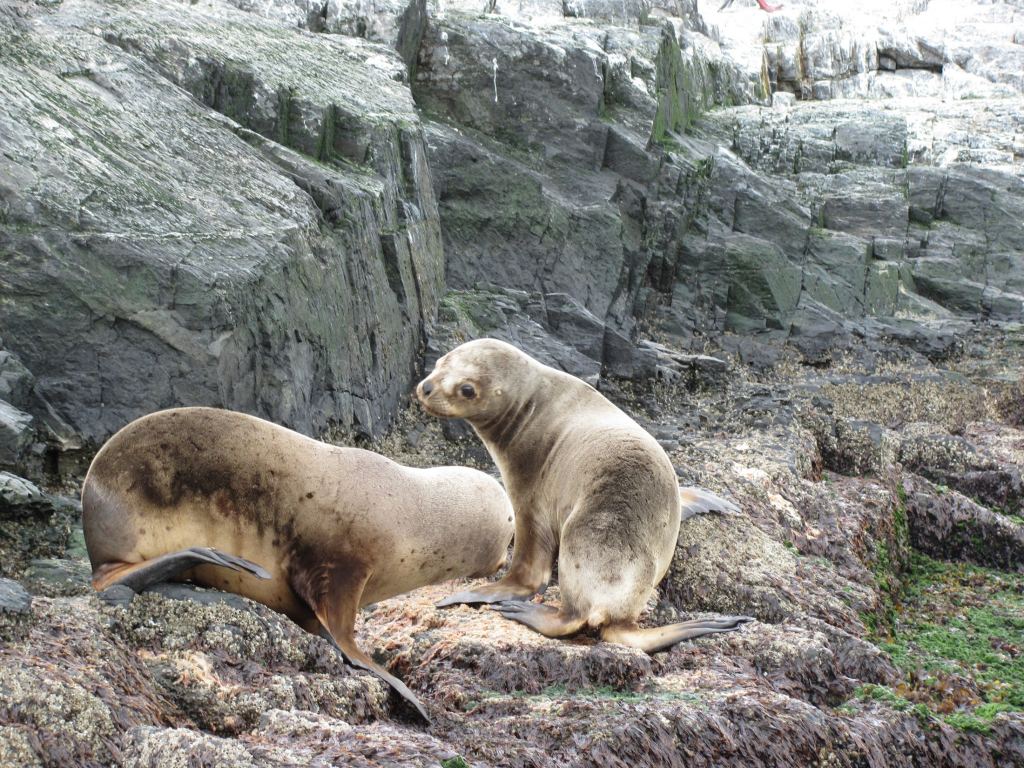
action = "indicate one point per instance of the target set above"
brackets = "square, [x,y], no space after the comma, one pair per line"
[588,484]
[312,530]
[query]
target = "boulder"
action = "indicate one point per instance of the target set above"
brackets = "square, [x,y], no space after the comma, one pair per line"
[16,435]
[32,523]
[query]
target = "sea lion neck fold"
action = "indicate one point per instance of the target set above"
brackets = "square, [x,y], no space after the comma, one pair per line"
[505,428]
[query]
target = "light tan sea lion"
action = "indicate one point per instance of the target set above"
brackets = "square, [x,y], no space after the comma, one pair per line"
[205,495]
[588,484]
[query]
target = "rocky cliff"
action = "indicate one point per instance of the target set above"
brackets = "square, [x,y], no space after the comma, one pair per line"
[200,206]
[790,244]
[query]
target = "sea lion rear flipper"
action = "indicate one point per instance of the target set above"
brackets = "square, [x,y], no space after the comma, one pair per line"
[547,620]
[138,576]
[527,577]
[697,501]
[334,595]
[655,639]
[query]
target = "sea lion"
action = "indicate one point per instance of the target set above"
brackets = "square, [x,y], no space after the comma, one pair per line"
[587,482]
[312,530]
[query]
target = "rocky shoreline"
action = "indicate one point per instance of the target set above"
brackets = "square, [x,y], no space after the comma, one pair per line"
[867,649]
[789,245]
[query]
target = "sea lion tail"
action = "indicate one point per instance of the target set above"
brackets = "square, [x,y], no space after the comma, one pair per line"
[697,501]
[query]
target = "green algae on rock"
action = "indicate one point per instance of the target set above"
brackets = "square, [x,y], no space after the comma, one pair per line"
[958,639]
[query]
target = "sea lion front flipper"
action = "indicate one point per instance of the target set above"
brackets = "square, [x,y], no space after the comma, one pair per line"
[138,576]
[655,639]
[546,619]
[498,592]
[334,597]
[355,657]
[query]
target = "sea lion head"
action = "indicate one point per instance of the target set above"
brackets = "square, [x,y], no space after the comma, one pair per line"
[476,381]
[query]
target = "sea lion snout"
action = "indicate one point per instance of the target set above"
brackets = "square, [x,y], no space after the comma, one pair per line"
[424,390]
[435,405]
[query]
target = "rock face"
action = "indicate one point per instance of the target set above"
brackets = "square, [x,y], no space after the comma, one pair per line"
[563,167]
[566,152]
[548,180]
[180,233]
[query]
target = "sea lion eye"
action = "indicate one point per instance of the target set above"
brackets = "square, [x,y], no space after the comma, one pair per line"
[467,391]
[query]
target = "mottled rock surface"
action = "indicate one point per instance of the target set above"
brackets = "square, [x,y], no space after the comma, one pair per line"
[178,233]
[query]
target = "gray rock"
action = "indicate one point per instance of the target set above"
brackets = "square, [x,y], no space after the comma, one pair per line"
[307,14]
[626,13]
[194,255]
[32,523]
[624,359]
[882,216]
[20,498]
[506,315]
[936,340]
[816,330]
[16,435]
[117,596]
[15,616]
[523,85]
[940,259]
[757,206]
[835,271]
[763,285]
[907,51]
[506,224]
[553,186]
[830,52]
[15,380]
[571,322]
[201,596]
[14,599]
[627,155]
[399,24]
[989,200]
[693,371]
[58,577]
